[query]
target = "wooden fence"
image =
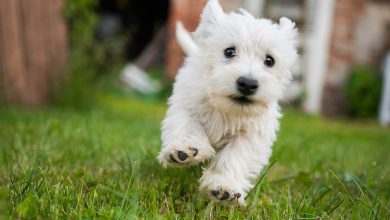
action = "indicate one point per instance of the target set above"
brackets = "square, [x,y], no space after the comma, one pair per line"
[33,50]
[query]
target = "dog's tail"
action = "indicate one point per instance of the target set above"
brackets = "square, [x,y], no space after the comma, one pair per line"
[185,40]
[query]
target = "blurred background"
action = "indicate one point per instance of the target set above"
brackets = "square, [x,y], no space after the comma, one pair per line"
[67,52]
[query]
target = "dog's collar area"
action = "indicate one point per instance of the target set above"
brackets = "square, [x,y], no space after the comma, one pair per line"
[241,100]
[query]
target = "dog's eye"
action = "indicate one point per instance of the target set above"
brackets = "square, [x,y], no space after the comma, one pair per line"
[230,52]
[269,61]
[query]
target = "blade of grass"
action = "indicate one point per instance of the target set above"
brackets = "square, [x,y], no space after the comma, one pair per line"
[261,178]
[355,180]
[347,191]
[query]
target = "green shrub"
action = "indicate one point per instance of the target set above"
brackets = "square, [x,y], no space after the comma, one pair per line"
[363,92]
[90,61]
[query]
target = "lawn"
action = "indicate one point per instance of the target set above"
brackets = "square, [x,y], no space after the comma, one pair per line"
[101,163]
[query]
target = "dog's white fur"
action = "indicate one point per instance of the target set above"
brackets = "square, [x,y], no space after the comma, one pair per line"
[202,120]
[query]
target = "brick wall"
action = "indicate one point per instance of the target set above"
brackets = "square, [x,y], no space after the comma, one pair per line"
[342,54]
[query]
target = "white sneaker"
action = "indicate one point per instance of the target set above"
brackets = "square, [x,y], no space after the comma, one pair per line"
[138,79]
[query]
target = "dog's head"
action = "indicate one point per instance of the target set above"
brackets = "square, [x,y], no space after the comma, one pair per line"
[247,60]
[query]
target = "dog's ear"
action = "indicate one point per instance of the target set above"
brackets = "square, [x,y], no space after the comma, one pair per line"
[212,12]
[211,15]
[288,28]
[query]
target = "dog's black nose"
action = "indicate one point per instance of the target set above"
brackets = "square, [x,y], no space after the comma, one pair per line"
[247,86]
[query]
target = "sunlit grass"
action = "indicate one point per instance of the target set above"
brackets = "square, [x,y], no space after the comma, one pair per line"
[102,163]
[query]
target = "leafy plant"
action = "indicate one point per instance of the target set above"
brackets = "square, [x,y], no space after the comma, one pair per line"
[90,60]
[363,92]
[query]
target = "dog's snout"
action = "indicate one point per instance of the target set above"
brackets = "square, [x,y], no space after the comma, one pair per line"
[247,86]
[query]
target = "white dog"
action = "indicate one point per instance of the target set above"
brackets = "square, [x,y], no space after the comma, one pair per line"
[224,106]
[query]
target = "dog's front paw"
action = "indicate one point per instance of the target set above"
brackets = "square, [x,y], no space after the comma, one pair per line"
[220,189]
[176,155]
[222,194]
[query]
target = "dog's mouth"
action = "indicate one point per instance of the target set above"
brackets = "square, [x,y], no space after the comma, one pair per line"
[241,100]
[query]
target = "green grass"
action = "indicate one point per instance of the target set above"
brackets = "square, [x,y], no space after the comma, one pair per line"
[101,163]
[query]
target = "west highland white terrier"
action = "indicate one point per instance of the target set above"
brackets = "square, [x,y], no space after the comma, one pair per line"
[224,108]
